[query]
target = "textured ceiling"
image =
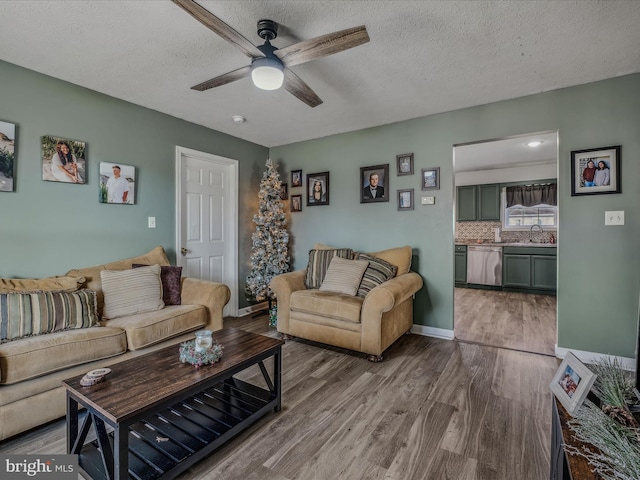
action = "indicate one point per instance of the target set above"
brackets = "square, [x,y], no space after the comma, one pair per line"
[424,57]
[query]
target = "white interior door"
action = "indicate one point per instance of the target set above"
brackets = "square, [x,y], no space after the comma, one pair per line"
[206,217]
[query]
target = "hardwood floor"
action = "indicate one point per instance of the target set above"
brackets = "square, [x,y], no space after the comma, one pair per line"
[433,409]
[519,321]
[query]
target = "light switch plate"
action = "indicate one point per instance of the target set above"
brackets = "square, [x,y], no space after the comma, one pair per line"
[428,200]
[152,222]
[614,218]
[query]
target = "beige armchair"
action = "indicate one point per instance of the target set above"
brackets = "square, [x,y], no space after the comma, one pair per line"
[368,325]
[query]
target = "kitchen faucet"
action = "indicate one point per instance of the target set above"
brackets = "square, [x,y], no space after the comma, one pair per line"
[531,231]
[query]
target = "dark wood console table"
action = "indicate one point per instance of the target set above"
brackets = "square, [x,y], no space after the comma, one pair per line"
[564,466]
[154,416]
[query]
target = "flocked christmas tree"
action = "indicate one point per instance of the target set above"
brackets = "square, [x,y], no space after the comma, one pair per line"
[270,251]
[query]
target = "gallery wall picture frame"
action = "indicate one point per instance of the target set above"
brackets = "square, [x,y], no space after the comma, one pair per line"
[317,189]
[404,164]
[296,178]
[284,191]
[596,171]
[572,382]
[431,178]
[7,156]
[405,199]
[63,160]
[296,203]
[374,184]
[117,183]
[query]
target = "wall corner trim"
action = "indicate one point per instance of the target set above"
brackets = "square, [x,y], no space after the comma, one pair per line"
[253,308]
[593,357]
[432,332]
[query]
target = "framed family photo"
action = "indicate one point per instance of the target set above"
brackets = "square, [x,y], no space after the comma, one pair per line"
[405,199]
[284,191]
[595,171]
[7,156]
[63,160]
[296,203]
[572,382]
[117,183]
[404,164]
[317,189]
[431,178]
[296,178]
[374,184]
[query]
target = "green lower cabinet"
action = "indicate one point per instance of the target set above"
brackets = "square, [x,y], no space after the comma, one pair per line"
[460,274]
[529,272]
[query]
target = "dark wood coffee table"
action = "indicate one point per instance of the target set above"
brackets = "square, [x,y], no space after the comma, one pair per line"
[154,416]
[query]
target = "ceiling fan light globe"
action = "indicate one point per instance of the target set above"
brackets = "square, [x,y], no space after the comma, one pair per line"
[267,74]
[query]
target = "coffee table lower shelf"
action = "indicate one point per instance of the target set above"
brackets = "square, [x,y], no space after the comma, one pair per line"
[167,442]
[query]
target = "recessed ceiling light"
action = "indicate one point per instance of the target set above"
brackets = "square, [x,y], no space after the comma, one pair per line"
[534,143]
[238,119]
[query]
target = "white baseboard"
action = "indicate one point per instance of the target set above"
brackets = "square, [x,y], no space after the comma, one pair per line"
[432,332]
[593,357]
[252,308]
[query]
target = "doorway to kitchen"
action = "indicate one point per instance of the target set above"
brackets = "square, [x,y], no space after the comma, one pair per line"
[506,234]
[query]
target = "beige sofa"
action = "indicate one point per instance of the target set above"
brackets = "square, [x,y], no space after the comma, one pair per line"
[368,325]
[32,368]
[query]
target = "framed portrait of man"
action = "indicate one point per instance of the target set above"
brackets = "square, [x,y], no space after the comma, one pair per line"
[374,184]
[117,183]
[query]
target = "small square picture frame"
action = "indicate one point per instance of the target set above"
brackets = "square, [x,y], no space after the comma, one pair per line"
[596,171]
[572,382]
[296,178]
[430,178]
[404,164]
[405,199]
[296,203]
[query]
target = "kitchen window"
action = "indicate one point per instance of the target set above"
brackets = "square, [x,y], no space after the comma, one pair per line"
[526,205]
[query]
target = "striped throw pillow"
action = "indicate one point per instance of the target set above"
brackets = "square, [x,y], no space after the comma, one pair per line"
[378,271]
[319,261]
[343,276]
[27,314]
[127,292]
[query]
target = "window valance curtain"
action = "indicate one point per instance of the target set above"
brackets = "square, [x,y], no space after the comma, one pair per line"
[531,195]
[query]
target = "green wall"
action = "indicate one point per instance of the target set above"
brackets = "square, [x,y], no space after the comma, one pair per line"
[47,228]
[598,266]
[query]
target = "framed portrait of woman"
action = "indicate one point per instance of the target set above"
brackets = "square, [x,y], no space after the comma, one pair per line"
[317,189]
[63,160]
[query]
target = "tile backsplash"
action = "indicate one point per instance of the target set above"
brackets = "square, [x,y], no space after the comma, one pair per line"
[485,231]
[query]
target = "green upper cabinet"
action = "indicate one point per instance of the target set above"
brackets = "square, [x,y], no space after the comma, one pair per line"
[478,203]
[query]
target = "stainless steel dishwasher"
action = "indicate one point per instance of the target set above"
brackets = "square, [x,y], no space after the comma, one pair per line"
[484,265]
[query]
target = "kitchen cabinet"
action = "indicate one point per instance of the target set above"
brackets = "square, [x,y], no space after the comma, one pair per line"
[478,203]
[529,268]
[460,273]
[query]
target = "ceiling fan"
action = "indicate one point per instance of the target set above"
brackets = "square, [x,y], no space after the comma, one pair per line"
[269,67]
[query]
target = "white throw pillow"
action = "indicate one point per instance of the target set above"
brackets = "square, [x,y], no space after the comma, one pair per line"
[127,292]
[344,276]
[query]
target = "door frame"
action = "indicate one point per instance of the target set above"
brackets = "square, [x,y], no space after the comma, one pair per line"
[231,209]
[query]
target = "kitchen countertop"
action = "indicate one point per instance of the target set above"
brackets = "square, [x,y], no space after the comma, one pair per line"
[489,243]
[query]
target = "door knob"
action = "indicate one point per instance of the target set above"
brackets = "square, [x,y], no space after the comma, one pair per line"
[184,251]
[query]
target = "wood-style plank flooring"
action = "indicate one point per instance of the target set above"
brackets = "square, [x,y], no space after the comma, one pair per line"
[519,321]
[433,409]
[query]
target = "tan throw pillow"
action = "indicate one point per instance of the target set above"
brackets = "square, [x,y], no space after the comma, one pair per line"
[49,284]
[344,276]
[400,257]
[319,261]
[128,292]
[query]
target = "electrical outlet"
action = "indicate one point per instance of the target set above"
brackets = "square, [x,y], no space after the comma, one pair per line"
[152,222]
[614,218]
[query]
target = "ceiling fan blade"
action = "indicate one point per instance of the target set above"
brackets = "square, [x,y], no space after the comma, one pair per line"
[322,46]
[223,79]
[296,86]
[209,20]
